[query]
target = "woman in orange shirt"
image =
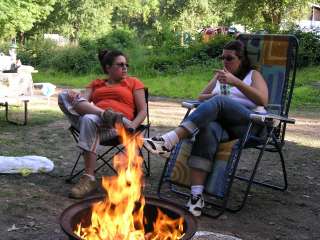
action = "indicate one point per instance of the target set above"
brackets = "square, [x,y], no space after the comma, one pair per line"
[117,98]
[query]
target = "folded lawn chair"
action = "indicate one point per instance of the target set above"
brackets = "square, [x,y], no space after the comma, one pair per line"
[103,159]
[275,57]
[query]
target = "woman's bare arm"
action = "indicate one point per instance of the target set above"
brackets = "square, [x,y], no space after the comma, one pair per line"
[257,92]
[141,107]
[207,91]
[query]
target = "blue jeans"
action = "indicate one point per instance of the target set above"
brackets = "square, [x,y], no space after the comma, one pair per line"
[218,119]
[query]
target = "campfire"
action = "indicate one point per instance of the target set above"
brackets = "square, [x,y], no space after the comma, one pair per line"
[124,213]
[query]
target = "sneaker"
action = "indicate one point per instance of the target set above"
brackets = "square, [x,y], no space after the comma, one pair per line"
[156,145]
[83,188]
[110,117]
[195,205]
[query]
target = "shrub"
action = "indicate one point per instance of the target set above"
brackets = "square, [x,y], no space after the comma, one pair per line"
[119,39]
[174,58]
[309,47]
[74,59]
[215,46]
[36,52]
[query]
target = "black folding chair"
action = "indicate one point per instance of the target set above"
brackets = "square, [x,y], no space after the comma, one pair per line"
[103,159]
[275,57]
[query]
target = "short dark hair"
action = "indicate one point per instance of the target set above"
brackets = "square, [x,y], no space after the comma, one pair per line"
[241,52]
[107,57]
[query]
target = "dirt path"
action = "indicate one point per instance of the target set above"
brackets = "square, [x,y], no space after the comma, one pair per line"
[30,206]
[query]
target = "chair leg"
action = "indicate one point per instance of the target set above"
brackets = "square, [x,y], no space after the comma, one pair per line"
[71,175]
[146,162]
[251,180]
[283,167]
[106,162]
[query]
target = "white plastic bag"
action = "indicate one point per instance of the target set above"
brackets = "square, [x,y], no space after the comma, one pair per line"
[25,164]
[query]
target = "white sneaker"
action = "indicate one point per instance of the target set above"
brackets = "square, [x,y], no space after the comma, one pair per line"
[195,204]
[156,145]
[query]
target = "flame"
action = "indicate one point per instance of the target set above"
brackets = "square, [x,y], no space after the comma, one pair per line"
[120,215]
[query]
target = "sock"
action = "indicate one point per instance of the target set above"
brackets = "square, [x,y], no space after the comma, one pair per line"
[170,139]
[92,178]
[197,190]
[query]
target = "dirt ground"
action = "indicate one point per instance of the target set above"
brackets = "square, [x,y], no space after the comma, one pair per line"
[30,206]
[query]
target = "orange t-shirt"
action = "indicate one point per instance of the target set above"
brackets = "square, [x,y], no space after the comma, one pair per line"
[119,97]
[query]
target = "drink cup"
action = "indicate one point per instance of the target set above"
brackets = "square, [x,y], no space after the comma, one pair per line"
[225,89]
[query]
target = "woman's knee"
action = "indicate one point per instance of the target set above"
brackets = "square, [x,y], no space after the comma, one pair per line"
[90,119]
[63,102]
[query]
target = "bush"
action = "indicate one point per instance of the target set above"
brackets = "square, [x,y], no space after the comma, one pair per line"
[309,47]
[119,39]
[174,58]
[215,46]
[168,57]
[74,59]
[36,52]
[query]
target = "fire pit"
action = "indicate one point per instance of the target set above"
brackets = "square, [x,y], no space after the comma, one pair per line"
[81,212]
[124,213]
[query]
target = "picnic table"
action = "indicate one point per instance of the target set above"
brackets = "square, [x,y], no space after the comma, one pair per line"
[16,88]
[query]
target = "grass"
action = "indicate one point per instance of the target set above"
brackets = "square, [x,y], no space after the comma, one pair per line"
[187,83]
[307,88]
[36,117]
[64,79]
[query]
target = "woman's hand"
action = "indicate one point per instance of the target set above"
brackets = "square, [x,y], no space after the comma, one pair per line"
[224,76]
[72,95]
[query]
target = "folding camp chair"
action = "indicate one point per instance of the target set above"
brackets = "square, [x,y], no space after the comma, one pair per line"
[113,145]
[275,57]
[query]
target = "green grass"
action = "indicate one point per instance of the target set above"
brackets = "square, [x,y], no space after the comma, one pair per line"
[36,117]
[307,88]
[187,83]
[64,79]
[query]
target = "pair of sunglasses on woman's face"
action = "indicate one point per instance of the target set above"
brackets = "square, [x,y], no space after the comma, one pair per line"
[228,58]
[122,65]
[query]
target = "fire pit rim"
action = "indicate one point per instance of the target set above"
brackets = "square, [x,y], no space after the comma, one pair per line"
[69,212]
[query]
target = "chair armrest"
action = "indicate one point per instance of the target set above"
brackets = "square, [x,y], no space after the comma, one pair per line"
[270,117]
[190,104]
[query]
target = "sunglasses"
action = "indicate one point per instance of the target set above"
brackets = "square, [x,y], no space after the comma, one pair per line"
[122,65]
[227,58]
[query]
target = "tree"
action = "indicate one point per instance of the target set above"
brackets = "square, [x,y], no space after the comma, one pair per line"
[77,18]
[18,16]
[264,14]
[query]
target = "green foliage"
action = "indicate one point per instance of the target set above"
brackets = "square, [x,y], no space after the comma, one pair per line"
[169,57]
[309,48]
[215,46]
[120,39]
[45,54]
[173,58]
[20,16]
[36,52]
[73,59]
[307,87]
[263,14]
